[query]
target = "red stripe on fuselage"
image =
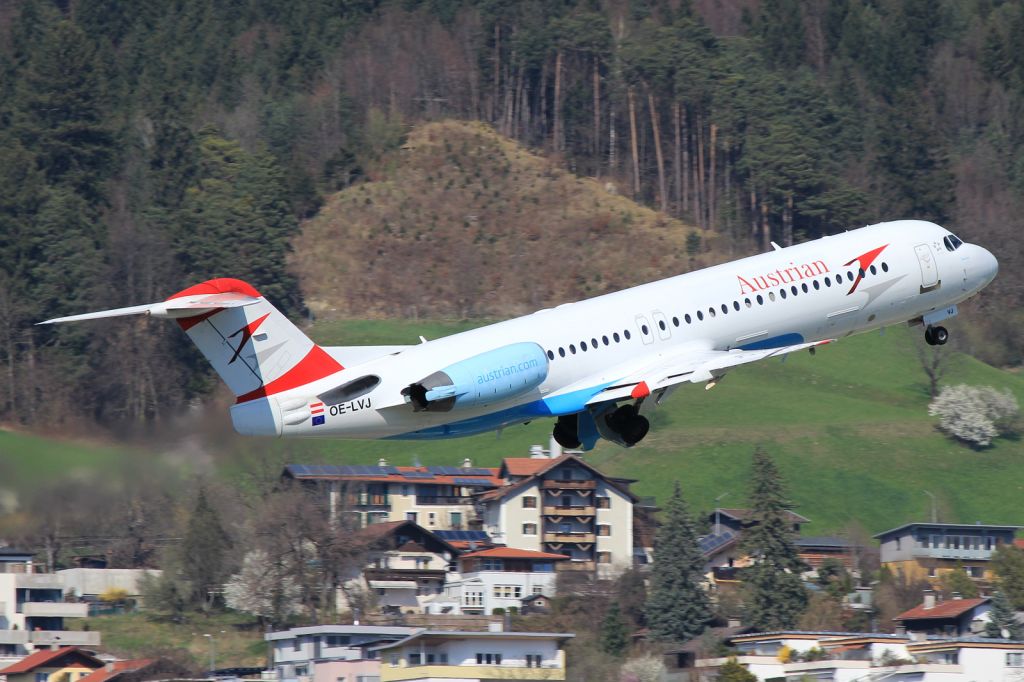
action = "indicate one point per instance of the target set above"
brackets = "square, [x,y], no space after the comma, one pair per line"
[316,365]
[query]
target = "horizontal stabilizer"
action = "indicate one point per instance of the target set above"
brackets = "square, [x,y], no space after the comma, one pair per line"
[186,306]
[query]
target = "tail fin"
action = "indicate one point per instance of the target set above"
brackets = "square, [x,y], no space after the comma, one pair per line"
[254,348]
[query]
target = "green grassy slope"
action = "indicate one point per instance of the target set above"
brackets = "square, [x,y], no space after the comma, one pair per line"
[848,426]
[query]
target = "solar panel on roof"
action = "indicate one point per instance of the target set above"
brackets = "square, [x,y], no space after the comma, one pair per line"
[418,474]
[477,472]
[711,542]
[478,482]
[463,535]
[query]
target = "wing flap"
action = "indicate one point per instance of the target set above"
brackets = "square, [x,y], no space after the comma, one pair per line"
[690,367]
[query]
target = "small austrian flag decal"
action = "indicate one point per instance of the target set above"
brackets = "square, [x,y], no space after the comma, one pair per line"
[317,410]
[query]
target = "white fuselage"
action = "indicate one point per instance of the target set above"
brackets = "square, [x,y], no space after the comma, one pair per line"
[808,292]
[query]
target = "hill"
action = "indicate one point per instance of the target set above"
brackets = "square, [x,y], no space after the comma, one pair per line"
[462,221]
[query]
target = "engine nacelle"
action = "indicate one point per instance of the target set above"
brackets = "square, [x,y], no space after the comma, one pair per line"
[260,417]
[483,379]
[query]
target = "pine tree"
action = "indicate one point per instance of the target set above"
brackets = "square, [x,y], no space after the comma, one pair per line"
[1002,617]
[677,605]
[204,552]
[775,593]
[1008,564]
[613,632]
[732,671]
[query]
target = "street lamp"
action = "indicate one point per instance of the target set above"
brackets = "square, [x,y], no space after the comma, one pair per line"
[213,650]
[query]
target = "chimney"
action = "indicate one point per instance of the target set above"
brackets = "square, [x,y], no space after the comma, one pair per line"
[554,448]
[109,667]
[537,452]
[382,462]
[467,463]
[929,599]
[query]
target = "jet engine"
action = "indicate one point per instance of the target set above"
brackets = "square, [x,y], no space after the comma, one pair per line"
[483,379]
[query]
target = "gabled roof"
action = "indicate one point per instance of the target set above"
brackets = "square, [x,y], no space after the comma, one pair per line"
[954,608]
[380,531]
[744,515]
[513,553]
[116,668]
[522,466]
[548,465]
[48,657]
[956,527]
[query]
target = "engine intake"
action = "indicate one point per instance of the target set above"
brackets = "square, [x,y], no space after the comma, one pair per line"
[483,379]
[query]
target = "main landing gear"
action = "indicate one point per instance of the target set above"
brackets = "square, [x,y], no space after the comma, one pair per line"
[936,336]
[623,425]
[627,421]
[566,430]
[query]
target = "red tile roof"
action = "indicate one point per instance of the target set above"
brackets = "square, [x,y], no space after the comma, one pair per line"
[513,553]
[947,609]
[48,656]
[1019,542]
[117,667]
[524,466]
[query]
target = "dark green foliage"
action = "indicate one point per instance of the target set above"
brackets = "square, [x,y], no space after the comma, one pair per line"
[614,638]
[1002,623]
[678,608]
[958,582]
[775,595]
[204,552]
[732,671]
[1008,564]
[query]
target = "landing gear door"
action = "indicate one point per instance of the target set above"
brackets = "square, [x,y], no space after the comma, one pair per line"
[929,270]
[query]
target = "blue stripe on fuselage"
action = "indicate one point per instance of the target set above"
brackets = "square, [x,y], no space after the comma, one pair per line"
[774,342]
[568,403]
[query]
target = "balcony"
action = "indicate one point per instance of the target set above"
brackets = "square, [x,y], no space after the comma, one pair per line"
[576,566]
[953,554]
[505,671]
[33,609]
[584,537]
[554,484]
[574,510]
[436,499]
[64,637]
[38,581]
[13,636]
[404,574]
[372,503]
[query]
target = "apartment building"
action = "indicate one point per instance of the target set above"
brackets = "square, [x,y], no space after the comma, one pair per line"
[927,550]
[33,609]
[432,655]
[435,497]
[328,653]
[563,505]
[501,578]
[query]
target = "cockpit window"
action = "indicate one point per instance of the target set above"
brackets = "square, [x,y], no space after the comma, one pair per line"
[952,242]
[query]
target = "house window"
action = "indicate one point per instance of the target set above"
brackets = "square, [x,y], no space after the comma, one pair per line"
[529,501]
[492,564]
[604,557]
[604,502]
[410,516]
[604,529]
[529,529]
[338,640]
[296,646]
[533,660]
[456,520]
[42,677]
[432,518]
[932,573]
[488,659]
[508,591]
[537,589]
[974,571]
[393,662]
[565,528]
[1015,660]
[414,659]
[473,599]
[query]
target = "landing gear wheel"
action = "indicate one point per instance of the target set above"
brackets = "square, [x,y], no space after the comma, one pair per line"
[929,336]
[565,432]
[629,424]
[940,335]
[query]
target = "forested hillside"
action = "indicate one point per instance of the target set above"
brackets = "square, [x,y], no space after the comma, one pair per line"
[144,146]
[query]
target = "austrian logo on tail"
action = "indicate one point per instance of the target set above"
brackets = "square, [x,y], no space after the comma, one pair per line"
[864,262]
[247,331]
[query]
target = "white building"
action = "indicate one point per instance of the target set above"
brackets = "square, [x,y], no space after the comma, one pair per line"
[33,610]
[500,577]
[327,653]
[440,656]
[846,657]
[563,505]
[90,583]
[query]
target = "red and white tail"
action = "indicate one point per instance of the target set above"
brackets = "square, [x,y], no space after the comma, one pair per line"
[254,348]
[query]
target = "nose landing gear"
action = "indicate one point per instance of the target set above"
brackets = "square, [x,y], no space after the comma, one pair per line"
[936,336]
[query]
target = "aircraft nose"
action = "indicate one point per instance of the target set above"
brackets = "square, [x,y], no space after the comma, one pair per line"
[987,265]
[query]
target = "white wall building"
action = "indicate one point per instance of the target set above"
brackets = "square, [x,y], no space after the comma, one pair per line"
[299,652]
[441,656]
[500,577]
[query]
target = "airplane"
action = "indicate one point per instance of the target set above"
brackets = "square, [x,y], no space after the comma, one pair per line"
[596,366]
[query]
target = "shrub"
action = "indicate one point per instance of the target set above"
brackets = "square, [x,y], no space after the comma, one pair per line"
[973,414]
[498,611]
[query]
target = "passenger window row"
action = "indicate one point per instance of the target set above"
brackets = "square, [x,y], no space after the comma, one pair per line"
[793,291]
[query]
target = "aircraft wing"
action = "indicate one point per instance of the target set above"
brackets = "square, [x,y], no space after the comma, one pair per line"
[692,365]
